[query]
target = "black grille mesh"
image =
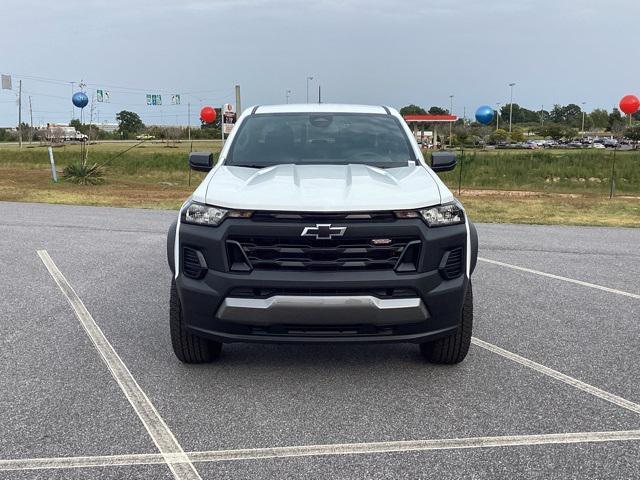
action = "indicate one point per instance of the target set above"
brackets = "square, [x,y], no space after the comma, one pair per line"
[300,253]
[191,264]
[453,263]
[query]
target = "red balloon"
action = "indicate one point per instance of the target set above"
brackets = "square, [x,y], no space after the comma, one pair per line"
[629,104]
[208,115]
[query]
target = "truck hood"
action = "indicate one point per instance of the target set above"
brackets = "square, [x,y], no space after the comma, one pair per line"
[322,188]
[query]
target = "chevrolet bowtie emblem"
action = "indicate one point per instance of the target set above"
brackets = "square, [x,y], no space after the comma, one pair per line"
[323,231]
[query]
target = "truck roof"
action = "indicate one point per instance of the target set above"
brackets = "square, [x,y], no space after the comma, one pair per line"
[319,108]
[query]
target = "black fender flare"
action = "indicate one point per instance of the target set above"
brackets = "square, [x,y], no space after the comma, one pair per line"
[473,237]
[171,241]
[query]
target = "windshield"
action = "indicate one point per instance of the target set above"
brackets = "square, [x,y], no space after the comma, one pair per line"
[320,138]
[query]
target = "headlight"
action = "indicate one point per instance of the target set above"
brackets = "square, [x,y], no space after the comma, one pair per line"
[200,214]
[441,215]
[438,216]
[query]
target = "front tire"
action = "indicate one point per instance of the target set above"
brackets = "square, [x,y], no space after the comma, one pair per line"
[453,348]
[189,348]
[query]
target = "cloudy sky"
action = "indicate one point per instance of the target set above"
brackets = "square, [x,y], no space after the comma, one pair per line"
[392,52]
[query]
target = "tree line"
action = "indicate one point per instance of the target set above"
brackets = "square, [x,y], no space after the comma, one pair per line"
[561,122]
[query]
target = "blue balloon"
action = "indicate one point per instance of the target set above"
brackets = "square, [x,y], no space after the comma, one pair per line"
[484,114]
[80,99]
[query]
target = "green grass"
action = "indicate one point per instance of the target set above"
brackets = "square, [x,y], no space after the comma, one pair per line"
[156,176]
[562,171]
[581,171]
[149,159]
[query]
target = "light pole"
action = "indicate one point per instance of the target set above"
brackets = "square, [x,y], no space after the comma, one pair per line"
[583,112]
[308,80]
[511,106]
[497,115]
[287,95]
[451,122]
[542,115]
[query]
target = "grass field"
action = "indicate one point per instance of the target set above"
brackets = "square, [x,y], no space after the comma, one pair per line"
[568,187]
[563,171]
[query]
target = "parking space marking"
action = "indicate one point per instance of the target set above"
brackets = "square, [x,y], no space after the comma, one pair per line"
[323,450]
[564,279]
[574,382]
[164,439]
[100,461]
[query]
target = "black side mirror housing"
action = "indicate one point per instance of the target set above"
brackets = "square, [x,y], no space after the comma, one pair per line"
[201,161]
[443,161]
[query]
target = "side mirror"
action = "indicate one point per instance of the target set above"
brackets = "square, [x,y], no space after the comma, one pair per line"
[443,161]
[201,161]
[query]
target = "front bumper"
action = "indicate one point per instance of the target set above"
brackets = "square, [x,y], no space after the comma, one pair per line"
[326,306]
[316,309]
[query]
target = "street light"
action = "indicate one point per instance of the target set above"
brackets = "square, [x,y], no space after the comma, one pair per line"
[308,80]
[451,122]
[583,112]
[511,106]
[498,115]
[287,95]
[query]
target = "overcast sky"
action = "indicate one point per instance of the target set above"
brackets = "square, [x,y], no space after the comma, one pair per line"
[392,52]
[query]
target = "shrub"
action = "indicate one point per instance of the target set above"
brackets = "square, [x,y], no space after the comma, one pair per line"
[83,173]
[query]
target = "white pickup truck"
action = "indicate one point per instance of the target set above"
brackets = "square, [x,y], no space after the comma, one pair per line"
[321,223]
[61,133]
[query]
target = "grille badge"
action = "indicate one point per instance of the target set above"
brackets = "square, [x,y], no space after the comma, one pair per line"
[323,231]
[381,241]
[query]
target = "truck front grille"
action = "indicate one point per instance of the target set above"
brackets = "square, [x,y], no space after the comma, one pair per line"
[299,253]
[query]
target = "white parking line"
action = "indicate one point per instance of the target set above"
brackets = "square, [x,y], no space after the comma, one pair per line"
[585,387]
[323,450]
[564,279]
[164,439]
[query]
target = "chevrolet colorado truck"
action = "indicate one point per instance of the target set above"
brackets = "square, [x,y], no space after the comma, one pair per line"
[321,223]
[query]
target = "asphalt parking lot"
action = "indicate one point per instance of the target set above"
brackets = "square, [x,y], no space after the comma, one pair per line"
[550,388]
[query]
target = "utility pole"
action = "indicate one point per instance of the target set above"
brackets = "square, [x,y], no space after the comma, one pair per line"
[238,105]
[20,114]
[511,106]
[288,92]
[189,122]
[309,78]
[30,121]
[451,122]
[73,110]
[319,94]
[583,112]
[497,115]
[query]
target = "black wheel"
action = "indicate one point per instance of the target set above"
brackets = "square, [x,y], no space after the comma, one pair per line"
[453,348]
[188,347]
